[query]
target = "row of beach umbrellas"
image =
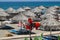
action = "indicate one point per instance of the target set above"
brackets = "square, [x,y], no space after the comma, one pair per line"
[12,10]
[36,9]
[49,18]
[26,11]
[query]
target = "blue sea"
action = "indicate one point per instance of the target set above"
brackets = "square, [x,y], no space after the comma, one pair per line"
[16,5]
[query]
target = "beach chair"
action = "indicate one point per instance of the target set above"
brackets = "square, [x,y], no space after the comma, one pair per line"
[13,31]
[20,31]
[51,38]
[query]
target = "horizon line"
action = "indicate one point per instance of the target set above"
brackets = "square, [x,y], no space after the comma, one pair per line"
[29,1]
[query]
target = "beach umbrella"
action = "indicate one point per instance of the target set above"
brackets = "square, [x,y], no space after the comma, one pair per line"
[59,16]
[20,17]
[53,8]
[50,23]
[36,10]
[27,8]
[42,7]
[2,10]
[56,6]
[29,14]
[20,10]
[51,16]
[11,10]
[4,14]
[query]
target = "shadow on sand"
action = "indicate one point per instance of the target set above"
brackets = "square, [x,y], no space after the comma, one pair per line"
[6,28]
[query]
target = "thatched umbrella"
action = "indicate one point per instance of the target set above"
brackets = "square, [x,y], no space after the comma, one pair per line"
[20,17]
[11,10]
[27,8]
[20,10]
[29,14]
[56,6]
[3,14]
[50,24]
[42,7]
[36,10]
[2,10]
[59,16]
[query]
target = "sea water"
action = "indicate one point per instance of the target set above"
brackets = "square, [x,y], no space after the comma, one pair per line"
[17,5]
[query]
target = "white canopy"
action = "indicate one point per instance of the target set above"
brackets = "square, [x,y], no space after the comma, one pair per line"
[41,7]
[36,9]
[3,14]
[11,10]
[56,6]
[50,22]
[27,8]
[20,10]
[20,17]
[2,10]
[29,13]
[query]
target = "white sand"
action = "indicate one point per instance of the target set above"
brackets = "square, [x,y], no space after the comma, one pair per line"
[38,32]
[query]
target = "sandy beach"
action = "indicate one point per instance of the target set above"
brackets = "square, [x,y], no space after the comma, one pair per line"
[3,33]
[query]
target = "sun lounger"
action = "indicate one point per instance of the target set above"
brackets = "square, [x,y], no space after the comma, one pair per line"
[20,31]
[51,37]
[13,31]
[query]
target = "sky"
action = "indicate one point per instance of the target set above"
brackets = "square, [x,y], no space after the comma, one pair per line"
[25,0]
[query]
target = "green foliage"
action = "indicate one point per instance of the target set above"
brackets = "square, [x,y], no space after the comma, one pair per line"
[36,38]
[26,39]
[41,37]
[58,37]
